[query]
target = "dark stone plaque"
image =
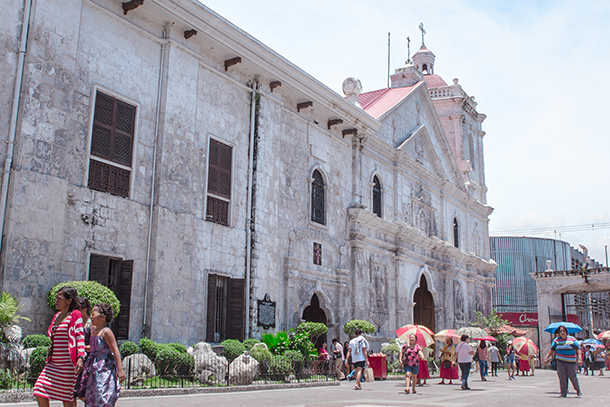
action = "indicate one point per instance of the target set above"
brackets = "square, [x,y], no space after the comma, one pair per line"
[266,312]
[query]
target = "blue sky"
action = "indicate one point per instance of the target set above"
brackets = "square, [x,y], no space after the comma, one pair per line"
[537,69]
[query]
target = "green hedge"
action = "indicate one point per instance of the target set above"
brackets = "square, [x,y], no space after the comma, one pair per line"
[91,290]
[233,348]
[36,340]
[280,367]
[351,326]
[249,343]
[178,346]
[128,348]
[37,361]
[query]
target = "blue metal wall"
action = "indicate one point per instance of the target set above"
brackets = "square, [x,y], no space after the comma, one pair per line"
[517,257]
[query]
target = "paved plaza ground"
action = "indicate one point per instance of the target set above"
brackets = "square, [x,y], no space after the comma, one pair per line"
[539,390]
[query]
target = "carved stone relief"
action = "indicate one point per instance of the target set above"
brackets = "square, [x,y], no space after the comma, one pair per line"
[458,302]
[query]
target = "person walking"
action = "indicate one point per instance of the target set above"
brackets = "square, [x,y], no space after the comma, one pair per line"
[600,361]
[566,350]
[338,359]
[511,367]
[358,351]
[424,372]
[410,358]
[448,369]
[66,353]
[464,354]
[483,353]
[494,357]
[105,372]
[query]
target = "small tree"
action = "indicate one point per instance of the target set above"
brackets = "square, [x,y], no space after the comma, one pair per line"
[91,290]
[312,329]
[492,324]
[351,326]
[9,309]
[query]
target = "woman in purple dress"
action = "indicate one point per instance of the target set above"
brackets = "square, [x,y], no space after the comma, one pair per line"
[104,363]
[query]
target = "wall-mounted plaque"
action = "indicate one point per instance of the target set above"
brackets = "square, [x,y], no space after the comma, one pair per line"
[266,312]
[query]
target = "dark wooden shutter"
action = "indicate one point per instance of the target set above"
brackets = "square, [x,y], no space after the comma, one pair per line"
[235,314]
[123,293]
[211,307]
[113,129]
[219,169]
[376,196]
[317,198]
[99,269]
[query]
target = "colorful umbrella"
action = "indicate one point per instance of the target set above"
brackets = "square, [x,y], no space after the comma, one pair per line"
[571,327]
[486,338]
[604,335]
[593,342]
[472,332]
[446,333]
[525,346]
[424,335]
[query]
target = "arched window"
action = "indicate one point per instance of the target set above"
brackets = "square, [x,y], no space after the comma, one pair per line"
[377,196]
[317,198]
[456,233]
[424,69]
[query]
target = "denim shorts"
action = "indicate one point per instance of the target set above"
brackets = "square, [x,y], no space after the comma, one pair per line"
[411,369]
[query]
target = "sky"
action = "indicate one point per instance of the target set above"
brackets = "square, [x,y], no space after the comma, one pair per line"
[538,70]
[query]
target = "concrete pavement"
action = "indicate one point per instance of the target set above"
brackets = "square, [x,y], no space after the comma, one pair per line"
[540,390]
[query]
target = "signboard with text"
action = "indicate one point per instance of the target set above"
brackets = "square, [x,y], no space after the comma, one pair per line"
[531,318]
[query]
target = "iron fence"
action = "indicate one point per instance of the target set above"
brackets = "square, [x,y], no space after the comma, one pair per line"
[205,373]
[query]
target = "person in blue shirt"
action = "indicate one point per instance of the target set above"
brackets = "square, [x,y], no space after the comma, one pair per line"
[566,350]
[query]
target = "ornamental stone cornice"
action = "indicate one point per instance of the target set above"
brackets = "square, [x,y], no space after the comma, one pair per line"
[205,21]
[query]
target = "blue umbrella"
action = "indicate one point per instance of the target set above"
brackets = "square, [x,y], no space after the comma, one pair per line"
[572,328]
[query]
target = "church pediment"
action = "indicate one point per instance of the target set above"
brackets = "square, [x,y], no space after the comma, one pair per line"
[424,139]
[419,147]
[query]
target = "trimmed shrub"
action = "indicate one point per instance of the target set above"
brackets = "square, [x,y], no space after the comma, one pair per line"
[187,364]
[261,354]
[128,348]
[178,346]
[149,348]
[278,343]
[279,367]
[301,342]
[351,326]
[91,290]
[36,340]
[168,361]
[5,379]
[233,348]
[38,359]
[249,343]
[312,329]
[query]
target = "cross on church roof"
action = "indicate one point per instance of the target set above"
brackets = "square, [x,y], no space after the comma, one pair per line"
[408,50]
[421,28]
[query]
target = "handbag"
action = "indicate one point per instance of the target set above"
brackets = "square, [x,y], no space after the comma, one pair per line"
[553,364]
[369,375]
[446,364]
[475,358]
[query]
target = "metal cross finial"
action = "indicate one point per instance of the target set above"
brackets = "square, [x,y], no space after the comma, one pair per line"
[408,50]
[421,28]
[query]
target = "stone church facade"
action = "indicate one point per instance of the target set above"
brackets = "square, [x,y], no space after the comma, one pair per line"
[164,152]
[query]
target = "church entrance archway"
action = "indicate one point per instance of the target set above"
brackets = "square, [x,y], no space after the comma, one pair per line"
[423,311]
[313,313]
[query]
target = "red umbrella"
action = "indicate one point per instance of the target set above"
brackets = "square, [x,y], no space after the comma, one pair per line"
[425,336]
[486,338]
[525,346]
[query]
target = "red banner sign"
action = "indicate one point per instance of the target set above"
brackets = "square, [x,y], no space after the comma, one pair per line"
[521,318]
[531,318]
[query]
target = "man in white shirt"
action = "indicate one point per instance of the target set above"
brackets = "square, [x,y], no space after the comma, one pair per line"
[360,357]
[464,354]
[338,359]
[494,358]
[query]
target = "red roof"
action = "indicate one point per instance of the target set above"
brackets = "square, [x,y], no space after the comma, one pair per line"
[377,102]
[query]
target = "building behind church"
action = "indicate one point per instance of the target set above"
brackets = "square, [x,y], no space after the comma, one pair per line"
[221,191]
